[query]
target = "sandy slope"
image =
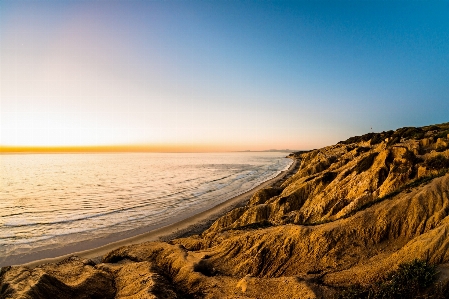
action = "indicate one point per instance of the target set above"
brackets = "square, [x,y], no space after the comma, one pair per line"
[352,213]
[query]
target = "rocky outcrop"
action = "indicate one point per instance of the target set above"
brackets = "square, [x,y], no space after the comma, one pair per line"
[351,214]
[71,278]
[76,278]
[336,181]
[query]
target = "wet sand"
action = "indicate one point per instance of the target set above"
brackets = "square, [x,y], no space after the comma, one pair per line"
[193,224]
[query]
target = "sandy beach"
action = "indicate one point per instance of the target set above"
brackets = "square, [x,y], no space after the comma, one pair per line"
[192,224]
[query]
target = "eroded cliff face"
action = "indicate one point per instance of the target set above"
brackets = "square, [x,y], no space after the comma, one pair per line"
[351,214]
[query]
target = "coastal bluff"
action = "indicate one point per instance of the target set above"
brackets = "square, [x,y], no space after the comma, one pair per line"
[365,218]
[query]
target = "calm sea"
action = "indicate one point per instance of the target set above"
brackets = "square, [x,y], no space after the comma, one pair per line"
[52,199]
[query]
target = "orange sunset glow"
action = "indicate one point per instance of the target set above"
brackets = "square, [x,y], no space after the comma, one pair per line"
[89,75]
[168,148]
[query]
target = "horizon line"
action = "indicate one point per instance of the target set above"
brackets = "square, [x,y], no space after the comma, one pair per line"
[5,149]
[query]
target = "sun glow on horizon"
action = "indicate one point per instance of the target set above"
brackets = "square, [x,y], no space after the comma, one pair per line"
[105,149]
[196,76]
[160,148]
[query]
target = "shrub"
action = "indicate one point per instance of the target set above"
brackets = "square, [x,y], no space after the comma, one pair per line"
[442,134]
[410,280]
[419,135]
[413,133]
[440,149]
[394,140]
[357,139]
[437,162]
[376,139]
[410,156]
[433,128]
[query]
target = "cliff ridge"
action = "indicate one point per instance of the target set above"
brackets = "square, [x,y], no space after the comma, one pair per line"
[352,215]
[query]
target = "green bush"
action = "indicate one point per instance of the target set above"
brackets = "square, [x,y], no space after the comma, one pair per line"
[410,132]
[442,134]
[437,162]
[410,280]
[394,140]
[376,139]
[433,128]
[357,139]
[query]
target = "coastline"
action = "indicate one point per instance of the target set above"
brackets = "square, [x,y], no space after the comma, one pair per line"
[194,223]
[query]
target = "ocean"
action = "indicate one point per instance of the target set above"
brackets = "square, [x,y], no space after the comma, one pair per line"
[51,199]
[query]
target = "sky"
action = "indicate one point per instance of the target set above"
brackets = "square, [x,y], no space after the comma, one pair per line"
[219,75]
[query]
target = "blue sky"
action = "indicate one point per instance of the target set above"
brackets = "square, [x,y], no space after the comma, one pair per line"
[231,75]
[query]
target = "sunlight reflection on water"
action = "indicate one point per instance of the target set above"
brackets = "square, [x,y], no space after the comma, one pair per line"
[82,196]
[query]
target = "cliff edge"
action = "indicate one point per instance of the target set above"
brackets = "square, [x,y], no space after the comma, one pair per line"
[365,218]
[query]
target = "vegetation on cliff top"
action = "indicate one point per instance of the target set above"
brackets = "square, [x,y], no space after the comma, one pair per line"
[410,280]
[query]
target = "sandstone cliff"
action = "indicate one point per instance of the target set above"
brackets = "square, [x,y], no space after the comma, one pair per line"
[351,215]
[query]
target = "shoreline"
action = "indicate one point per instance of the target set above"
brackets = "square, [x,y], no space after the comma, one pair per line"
[195,223]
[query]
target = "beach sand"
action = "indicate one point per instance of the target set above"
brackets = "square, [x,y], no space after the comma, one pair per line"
[193,224]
